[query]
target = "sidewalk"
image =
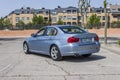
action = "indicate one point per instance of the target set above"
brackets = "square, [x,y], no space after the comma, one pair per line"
[112,48]
[100,32]
[112,44]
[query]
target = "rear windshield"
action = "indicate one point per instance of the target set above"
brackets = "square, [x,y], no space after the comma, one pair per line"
[72,30]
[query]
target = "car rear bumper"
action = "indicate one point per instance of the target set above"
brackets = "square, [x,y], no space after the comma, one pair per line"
[71,50]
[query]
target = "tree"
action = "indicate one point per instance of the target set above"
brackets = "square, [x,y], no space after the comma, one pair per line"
[20,24]
[60,22]
[1,23]
[93,20]
[37,20]
[115,24]
[106,21]
[7,24]
[34,20]
[46,23]
[29,26]
[40,20]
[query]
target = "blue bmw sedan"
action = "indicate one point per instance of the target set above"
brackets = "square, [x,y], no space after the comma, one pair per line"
[62,40]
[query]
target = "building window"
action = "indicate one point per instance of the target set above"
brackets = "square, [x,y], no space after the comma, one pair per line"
[69,11]
[60,17]
[17,19]
[73,23]
[69,23]
[28,18]
[47,13]
[22,12]
[28,12]
[118,9]
[54,19]
[23,18]
[64,18]
[74,17]
[103,17]
[68,17]
[79,23]
[74,11]
[79,17]
[40,12]
[17,12]
[103,24]
[64,23]
[113,9]
[108,18]
[46,18]
[54,13]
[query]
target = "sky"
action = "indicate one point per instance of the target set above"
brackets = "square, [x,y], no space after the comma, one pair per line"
[7,6]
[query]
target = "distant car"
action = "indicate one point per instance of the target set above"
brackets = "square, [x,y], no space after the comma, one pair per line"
[62,40]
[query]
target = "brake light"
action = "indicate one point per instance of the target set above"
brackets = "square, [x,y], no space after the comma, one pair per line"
[72,40]
[96,38]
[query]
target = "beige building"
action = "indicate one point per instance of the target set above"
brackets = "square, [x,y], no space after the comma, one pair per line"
[69,15]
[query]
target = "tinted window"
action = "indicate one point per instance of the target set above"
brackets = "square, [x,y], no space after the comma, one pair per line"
[51,32]
[72,30]
[41,32]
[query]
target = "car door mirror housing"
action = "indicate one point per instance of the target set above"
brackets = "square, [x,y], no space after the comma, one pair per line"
[33,35]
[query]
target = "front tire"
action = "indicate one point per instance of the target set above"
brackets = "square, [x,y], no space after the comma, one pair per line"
[26,48]
[55,53]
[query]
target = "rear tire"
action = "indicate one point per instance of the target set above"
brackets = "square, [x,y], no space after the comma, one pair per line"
[86,55]
[26,48]
[55,53]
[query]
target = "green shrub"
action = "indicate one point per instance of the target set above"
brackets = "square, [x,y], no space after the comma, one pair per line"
[115,24]
[119,42]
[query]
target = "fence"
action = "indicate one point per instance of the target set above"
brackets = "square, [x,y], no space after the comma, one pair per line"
[38,26]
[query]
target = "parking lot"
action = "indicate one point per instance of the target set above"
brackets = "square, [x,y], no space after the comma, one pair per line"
[15,65]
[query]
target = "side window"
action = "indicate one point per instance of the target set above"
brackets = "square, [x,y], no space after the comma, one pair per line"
[41,32]
[51,32]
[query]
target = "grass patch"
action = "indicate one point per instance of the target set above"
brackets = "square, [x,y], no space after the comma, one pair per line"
[119,42]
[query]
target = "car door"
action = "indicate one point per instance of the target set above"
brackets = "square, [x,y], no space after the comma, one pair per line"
[36,41]
[42,41]
[49,38]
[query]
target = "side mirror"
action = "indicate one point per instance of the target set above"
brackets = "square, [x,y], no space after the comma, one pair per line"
[33,35]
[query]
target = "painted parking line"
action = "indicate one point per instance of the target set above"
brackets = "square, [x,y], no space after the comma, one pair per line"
[6,67]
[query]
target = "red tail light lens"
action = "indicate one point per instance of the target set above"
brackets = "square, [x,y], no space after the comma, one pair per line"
[96,38]
[72,40]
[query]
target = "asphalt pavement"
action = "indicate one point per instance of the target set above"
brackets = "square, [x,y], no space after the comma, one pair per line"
[15,65]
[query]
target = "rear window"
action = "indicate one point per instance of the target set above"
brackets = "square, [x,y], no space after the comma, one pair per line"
[72,30]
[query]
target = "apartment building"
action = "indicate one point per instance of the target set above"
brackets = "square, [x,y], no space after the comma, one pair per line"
[69,15]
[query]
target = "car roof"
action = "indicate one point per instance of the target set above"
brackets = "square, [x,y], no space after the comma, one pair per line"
[59,26]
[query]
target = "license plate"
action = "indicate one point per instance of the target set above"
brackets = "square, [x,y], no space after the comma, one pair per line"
[86,40]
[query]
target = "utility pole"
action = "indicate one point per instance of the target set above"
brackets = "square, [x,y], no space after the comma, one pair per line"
[106,22]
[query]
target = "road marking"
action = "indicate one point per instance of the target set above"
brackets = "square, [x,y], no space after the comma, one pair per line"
[6,67]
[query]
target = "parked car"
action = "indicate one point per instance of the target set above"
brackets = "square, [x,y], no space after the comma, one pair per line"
[62,40]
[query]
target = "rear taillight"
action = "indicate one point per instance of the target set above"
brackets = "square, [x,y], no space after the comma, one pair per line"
[72,40]
[96,38]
